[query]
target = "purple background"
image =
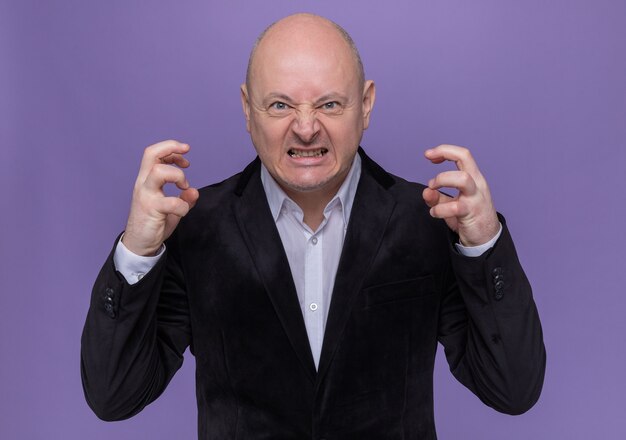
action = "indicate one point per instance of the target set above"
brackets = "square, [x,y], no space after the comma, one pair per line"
[536,89]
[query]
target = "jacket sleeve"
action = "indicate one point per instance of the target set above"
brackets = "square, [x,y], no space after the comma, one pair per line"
[490,328]
[134,338]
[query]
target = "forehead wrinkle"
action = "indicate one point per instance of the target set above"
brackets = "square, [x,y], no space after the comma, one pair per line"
[305,78]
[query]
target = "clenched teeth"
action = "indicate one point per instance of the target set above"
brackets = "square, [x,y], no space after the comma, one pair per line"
[308,153]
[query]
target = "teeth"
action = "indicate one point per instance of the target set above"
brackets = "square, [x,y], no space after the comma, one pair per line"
[308,153]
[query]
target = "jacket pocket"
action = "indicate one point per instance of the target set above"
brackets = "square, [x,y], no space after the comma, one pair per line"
[396,291]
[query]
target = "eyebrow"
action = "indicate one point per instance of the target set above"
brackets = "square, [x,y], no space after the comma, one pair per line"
[331,97]
[277,96]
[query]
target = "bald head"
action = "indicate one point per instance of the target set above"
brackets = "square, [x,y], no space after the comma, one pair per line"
[305,32]
[306,105]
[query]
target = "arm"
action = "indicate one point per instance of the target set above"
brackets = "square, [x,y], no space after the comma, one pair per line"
[134,338]
[489,324]
[490,328]
[135,335]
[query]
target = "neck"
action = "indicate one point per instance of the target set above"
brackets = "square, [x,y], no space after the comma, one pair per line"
[313,203]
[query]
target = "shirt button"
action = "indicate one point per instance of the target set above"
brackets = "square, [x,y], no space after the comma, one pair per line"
[313,306]
[314,241]
[139,275]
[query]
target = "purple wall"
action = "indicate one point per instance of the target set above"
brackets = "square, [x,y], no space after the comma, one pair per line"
[536,89]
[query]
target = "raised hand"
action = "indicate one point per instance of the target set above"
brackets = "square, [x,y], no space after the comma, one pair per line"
[471,213]
[153,215]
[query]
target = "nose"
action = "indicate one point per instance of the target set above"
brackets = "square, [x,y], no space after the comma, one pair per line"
[305,125]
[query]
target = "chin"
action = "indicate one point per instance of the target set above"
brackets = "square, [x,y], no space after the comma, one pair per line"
[305,187]
[309,185]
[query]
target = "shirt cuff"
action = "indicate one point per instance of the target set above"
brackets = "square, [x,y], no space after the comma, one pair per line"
[132,266]
[477,251]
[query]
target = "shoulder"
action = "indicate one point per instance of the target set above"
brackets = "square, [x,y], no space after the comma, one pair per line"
[410,205]
[217,194]
[402,190]
[410,210]
[222,194]
[213,215]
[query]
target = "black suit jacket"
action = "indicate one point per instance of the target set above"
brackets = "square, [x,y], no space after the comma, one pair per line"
[224,288]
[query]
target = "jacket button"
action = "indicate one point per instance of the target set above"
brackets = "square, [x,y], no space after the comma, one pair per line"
[498,295]
[499,285]
[496,271]
[109,302]
[109,310]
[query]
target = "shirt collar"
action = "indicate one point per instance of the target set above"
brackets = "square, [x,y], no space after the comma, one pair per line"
[276,197]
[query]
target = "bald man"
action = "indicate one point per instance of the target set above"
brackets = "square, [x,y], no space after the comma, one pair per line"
[312,288]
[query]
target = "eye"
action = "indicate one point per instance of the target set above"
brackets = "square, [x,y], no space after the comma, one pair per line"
[333,105]
[279,106]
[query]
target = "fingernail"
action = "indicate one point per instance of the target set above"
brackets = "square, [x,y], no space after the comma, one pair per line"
[431,182]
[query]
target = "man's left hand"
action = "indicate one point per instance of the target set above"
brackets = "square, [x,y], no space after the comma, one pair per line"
[471,213]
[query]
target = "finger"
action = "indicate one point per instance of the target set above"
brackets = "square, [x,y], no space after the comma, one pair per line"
[162,174]
[172,205]
[459,155]
[433,197]
[154,153]
[448,210]
[460,180]
[190,195]
[175,159]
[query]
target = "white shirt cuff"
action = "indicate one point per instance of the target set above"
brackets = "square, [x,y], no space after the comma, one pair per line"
[132,266]
[477,251]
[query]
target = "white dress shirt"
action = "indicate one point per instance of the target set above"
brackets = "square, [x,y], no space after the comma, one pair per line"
[313,255]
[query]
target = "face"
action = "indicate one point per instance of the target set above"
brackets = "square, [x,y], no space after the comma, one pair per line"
[306,109]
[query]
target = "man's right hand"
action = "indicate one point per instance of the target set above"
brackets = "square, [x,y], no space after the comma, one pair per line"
[154,216]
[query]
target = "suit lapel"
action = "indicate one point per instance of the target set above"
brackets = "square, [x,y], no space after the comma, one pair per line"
[261,236]
[370,214]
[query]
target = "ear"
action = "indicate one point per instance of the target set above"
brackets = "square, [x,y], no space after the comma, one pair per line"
[369,96]
[245,103]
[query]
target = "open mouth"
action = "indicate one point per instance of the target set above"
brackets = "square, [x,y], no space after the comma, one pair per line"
[319,152]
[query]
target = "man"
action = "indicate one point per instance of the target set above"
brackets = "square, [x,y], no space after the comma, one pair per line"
[312,287]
